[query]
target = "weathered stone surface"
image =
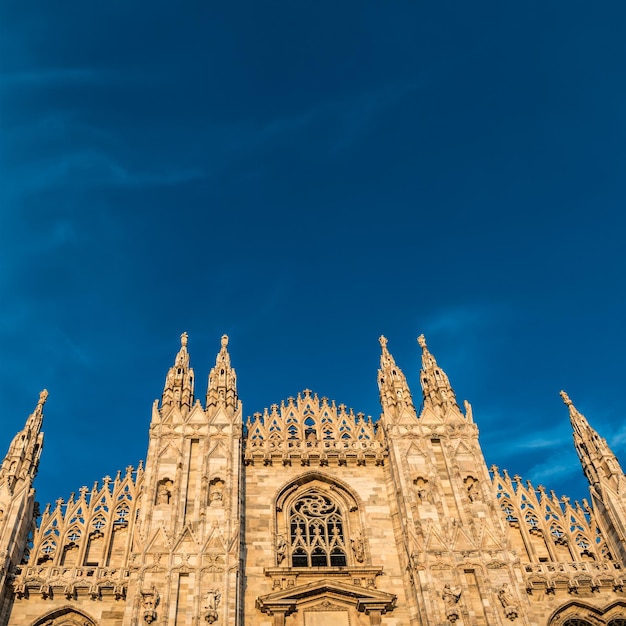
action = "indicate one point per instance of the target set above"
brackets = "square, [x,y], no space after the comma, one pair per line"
[312,514]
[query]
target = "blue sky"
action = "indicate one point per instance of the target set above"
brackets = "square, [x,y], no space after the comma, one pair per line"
[305,177]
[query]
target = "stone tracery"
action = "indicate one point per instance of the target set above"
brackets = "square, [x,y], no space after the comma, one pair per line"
[436,518]
[312,430]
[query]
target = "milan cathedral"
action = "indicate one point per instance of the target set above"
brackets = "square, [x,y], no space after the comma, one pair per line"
[308,513]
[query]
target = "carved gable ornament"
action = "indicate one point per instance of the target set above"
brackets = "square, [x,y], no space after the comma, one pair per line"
[367,600]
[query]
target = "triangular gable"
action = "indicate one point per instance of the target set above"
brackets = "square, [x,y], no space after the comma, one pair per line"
[434,541]
[463,541]
[186,542]
[428,416]
[462,448]
[363,599]
[488,541]
[170,449]
[196,415]
[215,542]
[221,417]
[159,542]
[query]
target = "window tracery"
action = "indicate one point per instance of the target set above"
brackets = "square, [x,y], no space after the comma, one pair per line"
[317,532]
[121,516]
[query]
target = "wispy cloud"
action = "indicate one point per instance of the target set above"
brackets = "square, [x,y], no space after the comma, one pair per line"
[455,320]
[349,116]
[48,76]
[553,468]
[87,168]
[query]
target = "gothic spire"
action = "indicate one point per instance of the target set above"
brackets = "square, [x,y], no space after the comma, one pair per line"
[392,385]
[222,388]
[178,390]
[438,393]
[22,459]
[597,459]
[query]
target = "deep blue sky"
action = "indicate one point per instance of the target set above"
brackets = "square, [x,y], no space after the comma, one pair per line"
[305,177]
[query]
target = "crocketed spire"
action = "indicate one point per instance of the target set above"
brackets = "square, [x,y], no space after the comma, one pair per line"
[222,387]
[597,459]
[392,385]
[22,459]
[438,393]
[178,390]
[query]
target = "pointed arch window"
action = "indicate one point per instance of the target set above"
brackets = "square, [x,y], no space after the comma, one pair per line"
[317,532]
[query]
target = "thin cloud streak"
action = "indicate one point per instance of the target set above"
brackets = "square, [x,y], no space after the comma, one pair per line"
[48,77]
[89,168]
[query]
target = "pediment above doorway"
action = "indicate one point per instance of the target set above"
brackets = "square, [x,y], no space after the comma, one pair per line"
[326,596]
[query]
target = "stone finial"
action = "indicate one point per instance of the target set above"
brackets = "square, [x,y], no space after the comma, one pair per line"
[421,340]
[224,341]
[183,340]
[566,399]
[43,396]
[382,340]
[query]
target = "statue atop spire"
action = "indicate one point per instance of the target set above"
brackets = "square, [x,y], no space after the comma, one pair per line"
[178,390]
[43,396]
[438,393]
[222,387]
[395,394]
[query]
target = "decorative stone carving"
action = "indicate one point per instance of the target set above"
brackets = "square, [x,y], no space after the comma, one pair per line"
[70,590]
[149,601]
[211,603]
[508,604]
[471,485]
[164,491]
[451,598]
[423,490]
[358,548]
[281,549]
[216,492]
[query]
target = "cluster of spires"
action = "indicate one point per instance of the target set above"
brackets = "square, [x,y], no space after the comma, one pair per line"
[179,382]
[22,459]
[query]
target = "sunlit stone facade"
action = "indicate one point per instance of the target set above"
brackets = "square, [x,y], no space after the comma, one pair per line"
[309,514]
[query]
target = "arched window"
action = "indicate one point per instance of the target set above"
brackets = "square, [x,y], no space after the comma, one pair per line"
[316,532]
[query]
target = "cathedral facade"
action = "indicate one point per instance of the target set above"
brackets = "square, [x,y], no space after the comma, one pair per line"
[309,514]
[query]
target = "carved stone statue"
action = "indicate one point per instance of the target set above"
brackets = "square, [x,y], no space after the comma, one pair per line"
[69,590]
[216,491]
[423,490]
[163,492]
[471,484]
[508,602]
[281,549]
[212,599]
[149,601]
[45,590]
[451,598]
[211,602]
[358,548]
